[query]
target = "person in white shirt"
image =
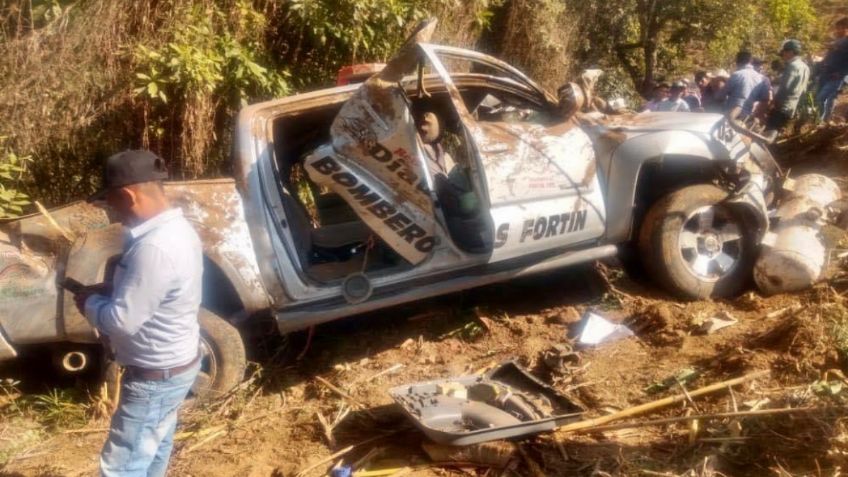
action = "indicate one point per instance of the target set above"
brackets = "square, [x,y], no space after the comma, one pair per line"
[149,315]
[675,102]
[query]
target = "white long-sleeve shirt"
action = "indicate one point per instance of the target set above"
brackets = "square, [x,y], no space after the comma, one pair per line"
[151,317]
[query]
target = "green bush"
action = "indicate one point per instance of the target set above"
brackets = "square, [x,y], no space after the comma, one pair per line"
[12,172]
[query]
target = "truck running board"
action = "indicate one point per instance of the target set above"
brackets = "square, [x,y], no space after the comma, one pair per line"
[294,320]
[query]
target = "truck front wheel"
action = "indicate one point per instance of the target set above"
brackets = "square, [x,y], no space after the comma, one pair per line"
[695,246]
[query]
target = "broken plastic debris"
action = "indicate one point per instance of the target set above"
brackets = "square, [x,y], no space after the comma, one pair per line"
[597,330]
[682,377]
[719,320]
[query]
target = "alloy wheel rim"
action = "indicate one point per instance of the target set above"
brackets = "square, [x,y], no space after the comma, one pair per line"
[710,243]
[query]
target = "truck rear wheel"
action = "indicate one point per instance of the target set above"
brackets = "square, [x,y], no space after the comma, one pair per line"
[695,246]
[223,359]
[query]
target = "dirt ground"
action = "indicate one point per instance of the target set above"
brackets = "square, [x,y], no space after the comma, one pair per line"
[270,426]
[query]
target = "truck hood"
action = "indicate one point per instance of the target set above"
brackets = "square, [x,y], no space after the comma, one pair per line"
[649,121]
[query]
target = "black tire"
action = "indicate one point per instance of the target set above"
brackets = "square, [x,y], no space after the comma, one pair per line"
[223,360]
[705,270]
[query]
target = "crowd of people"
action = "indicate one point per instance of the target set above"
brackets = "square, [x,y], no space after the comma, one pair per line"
[765,98]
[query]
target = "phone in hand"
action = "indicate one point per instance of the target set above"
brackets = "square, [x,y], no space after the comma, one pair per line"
[73,286]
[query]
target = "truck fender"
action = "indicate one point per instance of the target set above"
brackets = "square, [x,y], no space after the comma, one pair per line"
[247,286]
[626,165]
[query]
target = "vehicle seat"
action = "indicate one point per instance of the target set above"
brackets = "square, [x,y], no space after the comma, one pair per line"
[310,240]
[333,209]
[339,235]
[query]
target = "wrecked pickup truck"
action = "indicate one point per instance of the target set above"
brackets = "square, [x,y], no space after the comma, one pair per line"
[447,170]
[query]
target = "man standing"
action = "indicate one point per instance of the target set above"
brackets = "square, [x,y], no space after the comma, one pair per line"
[711,99]
[658,95]
[792,85]
[833,70]
[742,82]
[757,105]
[149,316]
[693,97]
[674,102]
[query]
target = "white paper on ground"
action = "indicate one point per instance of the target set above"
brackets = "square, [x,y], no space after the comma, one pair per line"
[597,330]
[720,320]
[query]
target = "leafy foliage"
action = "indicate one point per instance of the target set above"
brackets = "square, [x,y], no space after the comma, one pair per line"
[205,56]
[317,37]
[368,27]
[211,64]
[651,38]
[12,171]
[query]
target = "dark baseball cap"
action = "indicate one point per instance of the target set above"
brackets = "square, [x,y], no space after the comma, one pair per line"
[130,167]
[791,45]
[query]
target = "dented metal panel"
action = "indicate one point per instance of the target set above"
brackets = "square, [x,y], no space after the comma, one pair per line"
[543,185]
[35,253]
[214,208]
[87,262]
[450,52]
[27,295]
[377,163]
[526,161]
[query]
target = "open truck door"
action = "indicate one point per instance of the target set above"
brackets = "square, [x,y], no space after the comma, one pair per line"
[376,160]
[538,176]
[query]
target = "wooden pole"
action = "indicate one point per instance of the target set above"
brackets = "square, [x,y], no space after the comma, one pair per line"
[650,406]
[721,415]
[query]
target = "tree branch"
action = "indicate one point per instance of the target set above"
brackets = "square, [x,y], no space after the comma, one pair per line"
[629,67]
[629,46]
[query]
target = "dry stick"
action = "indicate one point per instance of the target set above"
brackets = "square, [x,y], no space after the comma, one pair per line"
[535,469]
[641,409]
[733,399]
[561,449]
[327,428]
[364,460]
[344,395]
[50,220]
[686,393]
[377,375]
[330,458]
[725,440]
[208,438]
[344,451]
[721,415]
[86,431]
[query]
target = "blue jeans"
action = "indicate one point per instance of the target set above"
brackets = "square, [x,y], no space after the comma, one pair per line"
[826,97]
[141,434]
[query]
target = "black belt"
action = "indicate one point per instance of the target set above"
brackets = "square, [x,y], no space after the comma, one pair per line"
[160,374]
